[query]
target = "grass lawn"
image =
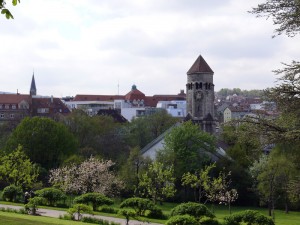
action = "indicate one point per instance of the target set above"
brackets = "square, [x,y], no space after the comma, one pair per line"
[20,219]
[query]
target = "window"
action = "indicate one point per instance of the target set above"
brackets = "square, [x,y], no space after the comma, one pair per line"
[12,116]
[43,110]
[13,106]
[2,116]
[6,106]
[179,113]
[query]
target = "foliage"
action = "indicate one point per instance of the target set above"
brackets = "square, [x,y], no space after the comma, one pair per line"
[139,205]
[127,213]
[158,182]
[141,131]
[224,92]
[52,195]
[198,181]
[92,175]
[108,209]
[209,221]
[32,206]
[5,11]
[96,199]
[248,217]
[194,209]
[132,169]
[185,148]
[96,135]
[87,219]
[272,174]
[78,209]
[39,136]
[11,193]
[285,14]
[182,220]
[16,168]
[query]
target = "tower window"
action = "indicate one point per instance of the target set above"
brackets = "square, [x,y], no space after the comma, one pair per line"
[201,85]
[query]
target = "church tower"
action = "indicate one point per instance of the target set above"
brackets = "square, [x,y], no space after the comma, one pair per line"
[32,87]
[200,95]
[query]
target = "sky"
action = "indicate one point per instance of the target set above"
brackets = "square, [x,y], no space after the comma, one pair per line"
[105,46]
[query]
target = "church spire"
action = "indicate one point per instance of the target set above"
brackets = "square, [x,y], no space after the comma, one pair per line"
[32,86]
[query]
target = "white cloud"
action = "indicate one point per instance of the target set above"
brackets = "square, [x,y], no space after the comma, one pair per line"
[91,46]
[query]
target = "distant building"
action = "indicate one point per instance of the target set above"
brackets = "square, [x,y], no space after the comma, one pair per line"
[132,105]
[15,107]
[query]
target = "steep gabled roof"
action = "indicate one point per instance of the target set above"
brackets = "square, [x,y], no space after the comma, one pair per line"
[200,66]
[13,98]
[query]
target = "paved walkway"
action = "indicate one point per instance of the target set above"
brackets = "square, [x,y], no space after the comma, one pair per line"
[57,213]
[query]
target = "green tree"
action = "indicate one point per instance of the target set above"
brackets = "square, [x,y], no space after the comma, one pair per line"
[45,141]
[186,148]
[96,199]
[158,182]
[273,174]
[285,14]
[198,181]
[5,11]
[96,135]
[16,168]
[143,130]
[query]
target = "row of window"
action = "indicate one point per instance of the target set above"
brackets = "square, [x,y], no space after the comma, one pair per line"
[206,86]
[8,106]
[3,116]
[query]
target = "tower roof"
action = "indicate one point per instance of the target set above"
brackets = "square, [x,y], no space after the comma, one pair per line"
[32,86]
[200,66]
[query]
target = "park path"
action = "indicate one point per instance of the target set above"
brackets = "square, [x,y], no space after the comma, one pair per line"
[57,213]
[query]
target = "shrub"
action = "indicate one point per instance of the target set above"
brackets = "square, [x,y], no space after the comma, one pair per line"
[182,220]
[141,206]
[208,221]
[52,195]
[96,199]
[108,209]
[249,217]
[97,221]
[11,193]
[155,213]
[196,210]
[32,206]
[78,209]
[127,213]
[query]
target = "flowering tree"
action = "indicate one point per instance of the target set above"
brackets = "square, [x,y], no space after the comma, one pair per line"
[92,175]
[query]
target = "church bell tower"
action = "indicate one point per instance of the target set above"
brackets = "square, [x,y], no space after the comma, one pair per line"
[200,95]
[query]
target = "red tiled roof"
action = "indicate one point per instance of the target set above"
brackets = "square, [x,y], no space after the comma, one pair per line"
[200,66]
[97,97]
[135,94]
[13,98]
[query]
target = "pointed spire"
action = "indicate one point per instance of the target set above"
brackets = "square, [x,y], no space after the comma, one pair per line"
[200,66]
[32,86]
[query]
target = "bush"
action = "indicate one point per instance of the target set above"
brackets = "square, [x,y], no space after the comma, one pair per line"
[32,206]
[142,207]
[155,213]
[182,220]
[249,217]
[108,209]
[52,195]
[78,209]
[97,221]
[11,193]
[196,210]
[96,199]
[208,221]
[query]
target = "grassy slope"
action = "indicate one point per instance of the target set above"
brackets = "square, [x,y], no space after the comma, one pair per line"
[20,219]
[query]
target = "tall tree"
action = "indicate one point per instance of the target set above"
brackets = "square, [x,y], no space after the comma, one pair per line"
[92,175]
[45,141]
[16,168]
[158,182]
[186,147]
